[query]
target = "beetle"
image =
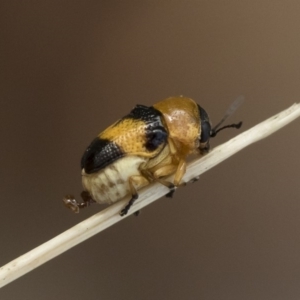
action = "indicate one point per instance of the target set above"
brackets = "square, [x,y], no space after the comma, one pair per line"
[146,145]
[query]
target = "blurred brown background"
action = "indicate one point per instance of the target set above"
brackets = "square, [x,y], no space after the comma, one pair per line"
[71,68]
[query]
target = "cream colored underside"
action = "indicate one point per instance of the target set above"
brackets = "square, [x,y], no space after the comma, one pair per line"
[111,184]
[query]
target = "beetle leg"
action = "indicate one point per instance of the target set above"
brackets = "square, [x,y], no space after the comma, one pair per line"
[194,179]
[170,169]
[133,181]
[172,146]
[163,171]
[181,169]
[71,203]
[171,193]
[169,185]
[125,210]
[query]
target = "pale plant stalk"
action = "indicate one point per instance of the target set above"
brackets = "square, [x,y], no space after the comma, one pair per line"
[110,215]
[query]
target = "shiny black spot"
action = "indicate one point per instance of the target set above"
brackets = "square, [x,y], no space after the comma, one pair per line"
[155,137]
[100,154]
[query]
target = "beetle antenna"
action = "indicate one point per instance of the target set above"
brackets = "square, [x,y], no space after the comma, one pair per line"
[237,126]
[233,107]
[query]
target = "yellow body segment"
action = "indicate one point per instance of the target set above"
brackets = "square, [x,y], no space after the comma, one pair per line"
[182,119]
[130,135]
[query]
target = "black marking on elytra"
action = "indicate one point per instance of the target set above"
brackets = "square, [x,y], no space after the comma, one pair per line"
[155,137]
[144,113]
[100,154]
[155,132]
[149,115]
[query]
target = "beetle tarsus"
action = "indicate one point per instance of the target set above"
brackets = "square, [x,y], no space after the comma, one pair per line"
[194,179]
[125,210]
[170,194]
[171,186]
[71,203]
[172,189]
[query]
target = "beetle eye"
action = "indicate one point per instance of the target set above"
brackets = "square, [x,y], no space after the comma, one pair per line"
[155,138]
[205,132]
[205,125]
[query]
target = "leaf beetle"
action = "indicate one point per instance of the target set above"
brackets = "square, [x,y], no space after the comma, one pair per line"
[146,145]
